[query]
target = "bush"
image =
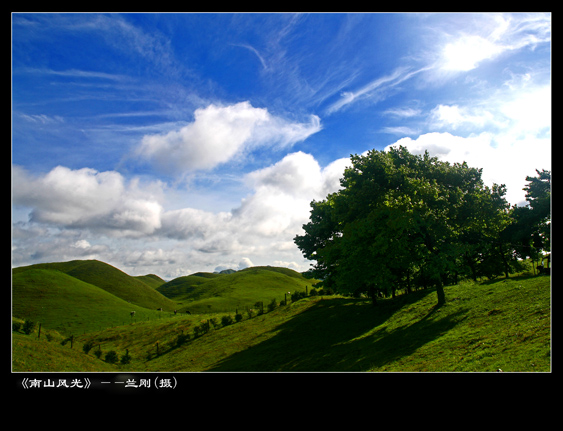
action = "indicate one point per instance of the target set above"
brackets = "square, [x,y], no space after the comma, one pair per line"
[16,326]
[88,346]
[296,296]
[98,353]
[111,357]
[182,339]
[28,327]
[125,359]
[238,317]
[226,320]
[272,305]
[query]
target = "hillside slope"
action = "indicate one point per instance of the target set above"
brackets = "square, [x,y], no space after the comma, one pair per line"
[110,279]
[151,280]
[482,327]
[67,304]
[238,290]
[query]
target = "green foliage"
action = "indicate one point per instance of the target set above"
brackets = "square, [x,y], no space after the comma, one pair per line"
[226,320]
[111,357]
[408,221]
[28,327]
[86,347]
[125,359]
[272,305]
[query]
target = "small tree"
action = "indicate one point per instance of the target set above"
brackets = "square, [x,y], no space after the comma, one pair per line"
[88,346]
[125,359]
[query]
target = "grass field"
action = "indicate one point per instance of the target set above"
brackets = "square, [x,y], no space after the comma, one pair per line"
[483,327]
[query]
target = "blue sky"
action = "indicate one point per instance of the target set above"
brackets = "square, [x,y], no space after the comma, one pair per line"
[179,142]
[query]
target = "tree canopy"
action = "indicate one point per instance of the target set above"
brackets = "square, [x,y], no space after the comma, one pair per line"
[404,220]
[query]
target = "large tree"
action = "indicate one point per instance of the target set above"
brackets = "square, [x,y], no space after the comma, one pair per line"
[530,230]
[401,218]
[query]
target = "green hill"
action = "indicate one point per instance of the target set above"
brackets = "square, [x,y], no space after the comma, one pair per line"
[67,304]
[205,292]
[181,286]
[482,327]
[151,280]
[110,279]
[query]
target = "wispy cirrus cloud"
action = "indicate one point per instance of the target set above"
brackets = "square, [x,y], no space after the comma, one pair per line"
[375,88]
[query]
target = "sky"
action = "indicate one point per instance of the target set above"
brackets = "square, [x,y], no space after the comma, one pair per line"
[171,143]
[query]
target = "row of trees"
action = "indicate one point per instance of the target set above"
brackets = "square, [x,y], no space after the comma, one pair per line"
[408,221]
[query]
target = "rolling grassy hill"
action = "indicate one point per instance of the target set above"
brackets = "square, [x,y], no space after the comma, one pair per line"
[205,292]
[151,280]
[504,324]
[110,279]
[67,304]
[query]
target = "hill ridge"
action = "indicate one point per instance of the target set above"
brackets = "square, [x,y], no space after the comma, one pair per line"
[110,279]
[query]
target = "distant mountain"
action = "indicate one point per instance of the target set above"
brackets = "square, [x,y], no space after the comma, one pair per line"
[226,271]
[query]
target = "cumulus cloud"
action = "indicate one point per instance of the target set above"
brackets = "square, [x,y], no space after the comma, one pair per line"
[502,162]
[81,214]
[284,191]
[219,134]
[85,198]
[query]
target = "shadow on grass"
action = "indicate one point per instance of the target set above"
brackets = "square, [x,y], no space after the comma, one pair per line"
[513,278]
[342,334]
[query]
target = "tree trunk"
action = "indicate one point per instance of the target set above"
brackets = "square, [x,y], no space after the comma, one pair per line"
[440,292]
[373,295]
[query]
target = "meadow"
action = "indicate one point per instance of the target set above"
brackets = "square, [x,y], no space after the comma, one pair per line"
[487,326]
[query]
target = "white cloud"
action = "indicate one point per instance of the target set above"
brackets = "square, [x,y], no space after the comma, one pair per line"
[83,213]
[85,198]
[503,162]
[483,37]
[375,88]
[466,52]
[220,133]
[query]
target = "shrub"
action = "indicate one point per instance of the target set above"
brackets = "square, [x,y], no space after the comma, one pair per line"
[98,353]
[16,326]
[182,338]
[28,327]
[111,357]
[226,320]
[125,359]
[88,346]
[238,317]
[272,305]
